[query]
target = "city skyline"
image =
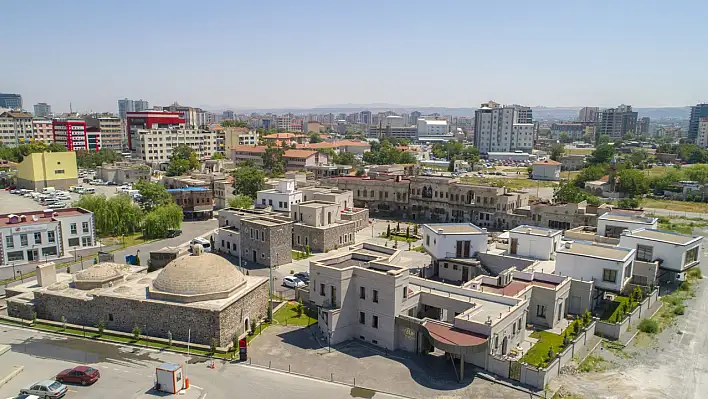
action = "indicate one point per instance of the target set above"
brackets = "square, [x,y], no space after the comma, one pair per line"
[262,56]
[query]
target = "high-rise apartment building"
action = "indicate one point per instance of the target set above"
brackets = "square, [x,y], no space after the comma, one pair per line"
[111,133]
[71,133]
[616,122]
[697,112]
[125,106]
[15,128]
[588,114]
[42,130]
[643,126]
[11,101]
[365,117]
[42,110]
[415,115]
[227,115]
[702,138]
[498,128]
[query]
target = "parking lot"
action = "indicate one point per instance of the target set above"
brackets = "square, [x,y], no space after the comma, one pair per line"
[12,203]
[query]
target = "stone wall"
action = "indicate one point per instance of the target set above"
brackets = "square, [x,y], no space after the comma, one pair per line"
[233,319]
[360,218]
[277,245]
[323,239]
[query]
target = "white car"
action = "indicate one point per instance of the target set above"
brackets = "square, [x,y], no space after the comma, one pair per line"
[292,282]
[48,389]
[25,396]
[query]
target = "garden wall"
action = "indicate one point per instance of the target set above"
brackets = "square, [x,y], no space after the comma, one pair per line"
[615,330]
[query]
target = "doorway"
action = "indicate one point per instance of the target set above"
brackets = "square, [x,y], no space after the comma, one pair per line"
[505,343]
[31,255]
[465,273]
[514,246]
[255,258]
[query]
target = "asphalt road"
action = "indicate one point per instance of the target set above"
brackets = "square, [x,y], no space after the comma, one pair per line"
[127,372]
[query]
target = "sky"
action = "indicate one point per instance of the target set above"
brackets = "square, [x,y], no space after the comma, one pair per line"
[282,53]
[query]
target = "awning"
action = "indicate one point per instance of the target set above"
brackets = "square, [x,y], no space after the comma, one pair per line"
[454,340]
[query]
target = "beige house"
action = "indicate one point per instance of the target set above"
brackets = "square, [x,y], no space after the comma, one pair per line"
[319,227]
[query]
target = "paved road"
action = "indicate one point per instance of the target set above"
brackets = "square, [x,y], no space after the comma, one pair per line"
[665,212]
[128,372]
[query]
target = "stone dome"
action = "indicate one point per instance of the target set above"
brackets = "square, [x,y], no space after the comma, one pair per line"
[195,278]
[99,272]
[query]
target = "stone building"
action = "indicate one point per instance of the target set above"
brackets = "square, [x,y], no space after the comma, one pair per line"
[200,297]
[124,172]
[319,226]
[197,203]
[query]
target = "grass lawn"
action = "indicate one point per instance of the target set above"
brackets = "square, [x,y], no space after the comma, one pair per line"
[288,315]
[678,206]
[130,240]
[578,151]
[683,228]
[538,354]
[419,248]
[297,255]
[401,237]
[612,312]
[513,183]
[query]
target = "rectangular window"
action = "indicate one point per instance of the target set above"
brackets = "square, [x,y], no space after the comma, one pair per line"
[691,256]
[74,242]
[23,240]
[51,236]
[405,292]
[72,228]
[645,253]
[322,289]
[609,275]
[427,240]
[362,318]
[37,238]
[362,293]
[376,296]
[9,242]
[541,311]
[49,251]
[15,256]
[85,241]
[375,321]
[85,227]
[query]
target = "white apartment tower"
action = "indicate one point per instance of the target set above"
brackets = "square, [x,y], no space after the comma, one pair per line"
[503,128]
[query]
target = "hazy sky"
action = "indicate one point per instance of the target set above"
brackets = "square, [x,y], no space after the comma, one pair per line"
[304,53]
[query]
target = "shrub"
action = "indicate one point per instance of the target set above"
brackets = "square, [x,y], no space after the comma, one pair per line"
[388,231]
[679,310]
[299,308]
[101,326]
[212,346]
[34,317]
[169,338]
[551,355]
[136,333]
[292,271]
[253,327]
[63,323]
[137,260]
[685,286]
[649,326]
[695,273]
[587,318]
[234,341]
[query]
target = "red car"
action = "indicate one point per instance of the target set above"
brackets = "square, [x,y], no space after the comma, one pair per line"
[83,375]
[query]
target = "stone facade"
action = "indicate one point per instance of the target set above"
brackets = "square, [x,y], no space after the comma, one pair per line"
[323,239]
[268,243]
[360,217]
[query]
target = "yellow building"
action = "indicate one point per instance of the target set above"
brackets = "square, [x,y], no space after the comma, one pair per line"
[48,169]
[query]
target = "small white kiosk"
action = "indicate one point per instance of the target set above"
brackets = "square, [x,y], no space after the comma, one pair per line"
[169,378]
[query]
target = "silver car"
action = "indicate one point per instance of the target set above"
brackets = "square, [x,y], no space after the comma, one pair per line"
[47,389]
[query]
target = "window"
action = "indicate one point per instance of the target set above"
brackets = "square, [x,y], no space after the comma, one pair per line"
[49,251]
[74,242]
[445,265]
[427,240]
[51,237]
[609,275]
[405,292]
[110,317]
[59,171]
[691,256]
[15,256]
[85,241]
[322,289]
[362,293]
[72,228]
[376,296]
[519,324]
[23,240]
[362,318]
[85,227]
[645,253]
[454,267]
[375,321]
[9,242]
[541,311]
[37,238]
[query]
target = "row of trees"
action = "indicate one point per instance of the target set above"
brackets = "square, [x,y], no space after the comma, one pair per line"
[93,159]
[385,152]
[17,154]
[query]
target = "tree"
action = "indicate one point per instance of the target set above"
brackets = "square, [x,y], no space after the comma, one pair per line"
[241,201]
[315,138]
[233,123]
[152,195]
[218,155]
[589,137]
[248,180]
[629,203]
[17,154]
[163,218]
[183,160]
[385,153]
[92,159]
[388,231]
[273,160]
[570,193]
[177,167]
[590,173]
[603,139]
[632,182]
[565,138]
[603,154]
[300,307]
[451,166]
[698,173]
[136,333]
[117,216]
[101,326]
[557,151]
[470,154]
[346,158]
[639,157]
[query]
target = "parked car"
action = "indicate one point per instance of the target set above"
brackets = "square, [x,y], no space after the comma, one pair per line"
[47,389]
[83,375]
[25,396]
[111,183]
[303,276]
[171,233]
[292,282]
[57,205]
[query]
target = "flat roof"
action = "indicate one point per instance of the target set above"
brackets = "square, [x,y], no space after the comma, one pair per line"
[43,217]
[585,248]
[667,236]
[315,204]
[535,230]
[265,221]
[622,217]
[455,228]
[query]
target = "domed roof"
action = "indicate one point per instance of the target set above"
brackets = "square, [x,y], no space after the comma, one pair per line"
[198,275]
[99,272]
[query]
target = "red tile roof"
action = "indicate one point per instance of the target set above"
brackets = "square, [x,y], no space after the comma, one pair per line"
[547,162]
[256,149]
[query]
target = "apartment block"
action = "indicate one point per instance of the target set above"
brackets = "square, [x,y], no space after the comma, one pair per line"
[42,110]
[71,133]
[608,266]
[616,122]
[697,112]
[503,128]
[110,129]
[42,130]
[15,128]
[282,198]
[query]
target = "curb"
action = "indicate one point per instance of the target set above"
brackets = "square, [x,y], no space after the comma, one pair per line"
[13,374]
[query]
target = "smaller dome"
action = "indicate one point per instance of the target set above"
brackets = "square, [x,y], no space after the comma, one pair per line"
[99,272]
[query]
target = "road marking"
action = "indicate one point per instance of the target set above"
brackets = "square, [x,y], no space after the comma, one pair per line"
[194,386]
[71,390]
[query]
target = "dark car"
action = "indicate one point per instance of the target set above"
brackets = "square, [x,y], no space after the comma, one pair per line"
[171,233]
[111,183]
[83,375]
[304,276]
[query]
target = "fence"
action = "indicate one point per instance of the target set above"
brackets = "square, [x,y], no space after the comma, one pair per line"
[615,330]
[535,376]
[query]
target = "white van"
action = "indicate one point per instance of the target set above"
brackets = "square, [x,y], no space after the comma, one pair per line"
[89,190]
[203,242]
[47,190]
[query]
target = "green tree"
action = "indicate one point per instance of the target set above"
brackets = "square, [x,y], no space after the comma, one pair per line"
[629,203]
[346,158]
[602,154]
[218,155]
[273,159]
[152,195]
[603,139]
[177,167]
[315,138]
[570,193]
[136,333]
[161,219]
[589,137]
[241,201]
[233,123]
[632,182]
[698,173]
[183,160]
[451,166]
[470,154]
[557,151]
[639,157]
[101,326]
[565,138]
[116,216]
[248,180]
[590,173]
[93,159]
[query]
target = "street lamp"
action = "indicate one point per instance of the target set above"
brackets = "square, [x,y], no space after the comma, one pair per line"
[21,276]
[82,262]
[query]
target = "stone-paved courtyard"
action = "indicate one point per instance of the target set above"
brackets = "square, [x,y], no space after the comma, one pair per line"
[297,349]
